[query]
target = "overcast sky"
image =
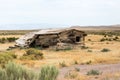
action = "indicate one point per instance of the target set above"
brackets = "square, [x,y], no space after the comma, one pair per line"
[68,12]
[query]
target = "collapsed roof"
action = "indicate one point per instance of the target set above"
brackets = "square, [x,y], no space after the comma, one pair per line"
[28,38]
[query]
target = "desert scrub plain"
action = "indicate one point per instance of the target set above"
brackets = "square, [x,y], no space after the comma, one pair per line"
[98,59]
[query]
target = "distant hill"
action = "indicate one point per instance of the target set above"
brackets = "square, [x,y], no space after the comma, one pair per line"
[46,26]
[109,27]
[29,26]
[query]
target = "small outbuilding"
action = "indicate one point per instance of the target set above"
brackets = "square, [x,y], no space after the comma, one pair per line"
[50,37]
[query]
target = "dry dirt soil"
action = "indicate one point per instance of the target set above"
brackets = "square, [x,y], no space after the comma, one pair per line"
[107,72]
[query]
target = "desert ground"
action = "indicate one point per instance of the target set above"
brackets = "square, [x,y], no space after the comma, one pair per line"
[74,64]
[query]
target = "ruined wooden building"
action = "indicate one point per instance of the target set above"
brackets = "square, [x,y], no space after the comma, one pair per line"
[50,37]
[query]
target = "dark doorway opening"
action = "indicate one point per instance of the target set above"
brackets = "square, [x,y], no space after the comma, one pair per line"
[78,39]
[32,44]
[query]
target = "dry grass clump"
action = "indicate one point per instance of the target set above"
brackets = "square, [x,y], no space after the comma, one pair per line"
[62,64]
[32,54]
[112,76]
[5,57]
[14,32]
[71,74]
[75,75]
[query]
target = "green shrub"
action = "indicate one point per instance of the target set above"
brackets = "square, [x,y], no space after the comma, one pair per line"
[13,71]
[3,75]
[89,40]
[84,47]
[105,35]
[103,39]
[89,62]
[17,72]
[38,47]
[93,72]
[106,39]
[89,51]
[11,39]
[68,48]
[109,39]
[116,38]
[76,62]
[48,73]
[5,57]
[32,51]
[105,50]
[2,40]
[32,54]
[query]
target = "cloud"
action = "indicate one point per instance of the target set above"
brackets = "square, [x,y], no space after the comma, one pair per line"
[82,12]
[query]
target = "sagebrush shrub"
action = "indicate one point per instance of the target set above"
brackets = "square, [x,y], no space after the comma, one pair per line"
[5,57]
[105,50]
[3,75]
[2,40]
[84,47]
[48,73]
[103,39]
[13,71]
[89,62]
[89,51]
[93,72]
[75,62]
[9,39]
[32,54]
